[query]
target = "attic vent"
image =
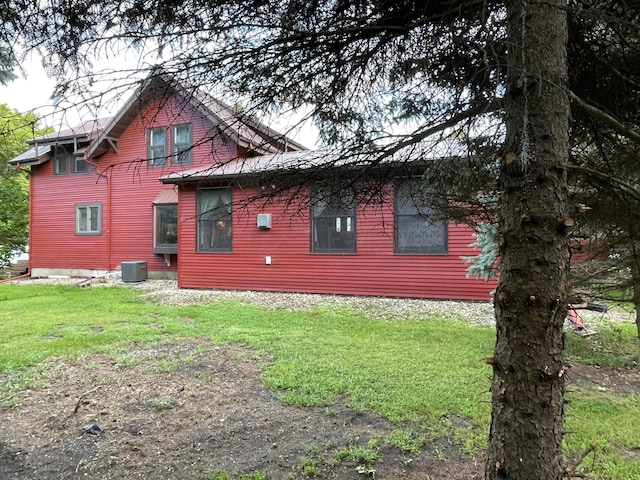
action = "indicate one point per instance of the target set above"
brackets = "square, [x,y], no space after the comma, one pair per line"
[264,221]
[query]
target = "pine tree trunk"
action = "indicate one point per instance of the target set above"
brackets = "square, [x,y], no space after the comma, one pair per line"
[635,279]
[525,441]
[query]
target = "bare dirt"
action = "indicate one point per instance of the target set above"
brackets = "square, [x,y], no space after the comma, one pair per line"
[187,409]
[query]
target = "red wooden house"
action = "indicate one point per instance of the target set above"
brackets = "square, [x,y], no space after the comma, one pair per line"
[169,181]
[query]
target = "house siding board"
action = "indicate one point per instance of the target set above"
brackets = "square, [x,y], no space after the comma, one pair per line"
[136,183]
[373,270]
[53,242]
[134,186]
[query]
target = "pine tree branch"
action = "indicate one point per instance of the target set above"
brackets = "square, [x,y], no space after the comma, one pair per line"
[604,117]
[622,185]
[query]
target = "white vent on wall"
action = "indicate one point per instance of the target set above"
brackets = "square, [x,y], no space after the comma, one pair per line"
[264,221]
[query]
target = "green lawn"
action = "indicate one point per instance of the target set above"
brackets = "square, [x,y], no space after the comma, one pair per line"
[428,371]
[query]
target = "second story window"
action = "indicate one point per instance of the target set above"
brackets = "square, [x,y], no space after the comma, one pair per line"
[78,165]
[181,145]
[163,149]
[60,160]
[157,146]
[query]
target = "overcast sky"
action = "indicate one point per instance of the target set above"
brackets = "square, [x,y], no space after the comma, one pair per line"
[32,92]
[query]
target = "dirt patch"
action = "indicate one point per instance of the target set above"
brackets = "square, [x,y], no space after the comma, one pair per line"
[604,379]
[185,409]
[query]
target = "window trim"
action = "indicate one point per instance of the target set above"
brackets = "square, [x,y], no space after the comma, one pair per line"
[397,250]
[57,161]
[164,248]
[75,159]
[228,217]
[179,151]
[350,222]
[153,161]
[88,206]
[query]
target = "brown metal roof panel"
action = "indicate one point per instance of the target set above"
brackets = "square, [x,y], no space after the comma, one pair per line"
[167,196]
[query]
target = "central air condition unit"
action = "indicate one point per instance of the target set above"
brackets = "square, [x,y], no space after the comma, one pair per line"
[264,221]
[134,271]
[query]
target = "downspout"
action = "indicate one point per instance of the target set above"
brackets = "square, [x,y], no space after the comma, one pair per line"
[107,176]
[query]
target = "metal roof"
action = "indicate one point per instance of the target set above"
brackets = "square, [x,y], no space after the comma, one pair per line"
[167,196]
[280,162]
[40,151]
[412,156]
[241,128]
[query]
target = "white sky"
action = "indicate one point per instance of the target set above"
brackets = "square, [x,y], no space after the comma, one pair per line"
[32,91]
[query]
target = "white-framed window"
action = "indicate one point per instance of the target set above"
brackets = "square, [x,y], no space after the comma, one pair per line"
[333,221]
[181,144]
[414,230]
[88,218]
[214,220]
[157,146]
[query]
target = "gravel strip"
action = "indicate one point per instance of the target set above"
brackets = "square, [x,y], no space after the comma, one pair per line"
[479,313]
[165,292]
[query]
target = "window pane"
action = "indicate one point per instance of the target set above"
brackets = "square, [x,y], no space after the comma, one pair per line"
[60,161]
[79,165]
[414,230]
[333,222]
[88,220]
[181,145]
[82,219]
[157,146]
[95,219]
[166,225]
[214,220]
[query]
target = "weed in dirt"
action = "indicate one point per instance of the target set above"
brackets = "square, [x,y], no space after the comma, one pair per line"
[164,403]
[24,379]
[406,441]
[358,455]
[309,465]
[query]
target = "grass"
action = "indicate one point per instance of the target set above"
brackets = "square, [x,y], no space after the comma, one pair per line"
[426,372]
[615,346]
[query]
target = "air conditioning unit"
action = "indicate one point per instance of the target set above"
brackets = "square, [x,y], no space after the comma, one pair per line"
[264,221]
[134,271]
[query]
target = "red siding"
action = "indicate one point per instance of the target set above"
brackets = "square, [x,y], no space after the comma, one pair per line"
[53,243]
[127,230]
[373,270]
[126,198]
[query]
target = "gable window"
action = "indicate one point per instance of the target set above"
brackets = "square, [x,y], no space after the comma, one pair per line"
[181,146]
[60,160]
[157,146]
[214,220]
[78,165]
[88,219]
[333,227]
[414,231]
